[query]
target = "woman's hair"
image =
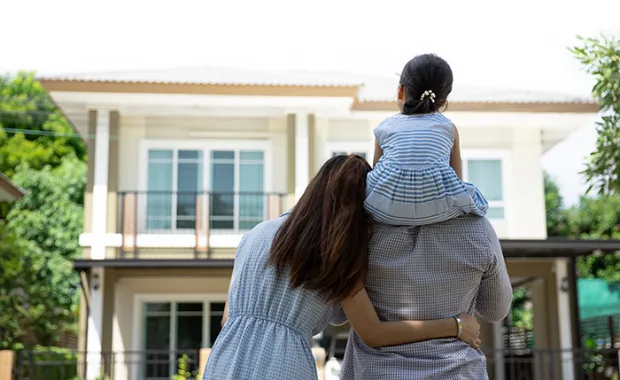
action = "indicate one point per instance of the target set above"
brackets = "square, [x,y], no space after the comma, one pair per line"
[323,243]
[420,76]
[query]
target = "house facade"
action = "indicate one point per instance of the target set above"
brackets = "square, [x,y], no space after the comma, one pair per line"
[183,162]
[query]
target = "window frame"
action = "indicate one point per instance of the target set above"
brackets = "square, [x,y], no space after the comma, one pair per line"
[206,147]
[502,155]
[139,300]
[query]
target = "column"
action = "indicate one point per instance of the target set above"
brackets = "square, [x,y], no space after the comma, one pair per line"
[100,185]
[302,154]
[98,248]
[498,355]
[564,318]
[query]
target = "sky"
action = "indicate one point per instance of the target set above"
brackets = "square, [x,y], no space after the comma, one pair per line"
[506,44]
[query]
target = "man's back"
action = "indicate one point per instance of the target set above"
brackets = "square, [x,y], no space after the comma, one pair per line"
[431,272]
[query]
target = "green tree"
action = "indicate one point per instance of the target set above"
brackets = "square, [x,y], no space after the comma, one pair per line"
[554,205]
[600,57]
[40,152]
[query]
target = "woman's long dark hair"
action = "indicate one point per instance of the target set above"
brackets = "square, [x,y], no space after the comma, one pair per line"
[323,243]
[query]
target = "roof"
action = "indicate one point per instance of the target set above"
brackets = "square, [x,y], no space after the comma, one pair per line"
[372,88]
[8,191]
[549,248]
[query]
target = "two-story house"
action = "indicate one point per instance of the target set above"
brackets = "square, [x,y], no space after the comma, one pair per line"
[183,162]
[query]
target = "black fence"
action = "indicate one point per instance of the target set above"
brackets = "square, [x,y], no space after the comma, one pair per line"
[71,365]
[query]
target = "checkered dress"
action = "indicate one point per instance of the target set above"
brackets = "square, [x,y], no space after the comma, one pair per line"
[270,326]
[431,272]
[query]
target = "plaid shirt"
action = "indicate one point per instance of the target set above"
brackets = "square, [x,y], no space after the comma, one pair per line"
[430,272]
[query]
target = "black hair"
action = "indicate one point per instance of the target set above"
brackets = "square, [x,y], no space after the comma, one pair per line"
[426,72]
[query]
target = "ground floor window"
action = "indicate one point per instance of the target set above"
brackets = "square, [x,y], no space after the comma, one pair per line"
[172,329]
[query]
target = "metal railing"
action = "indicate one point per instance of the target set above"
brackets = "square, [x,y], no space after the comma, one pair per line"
[192,219]
[541,364]
[73,365]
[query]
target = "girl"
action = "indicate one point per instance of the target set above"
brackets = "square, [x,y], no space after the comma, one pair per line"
[292,274]
[417,175]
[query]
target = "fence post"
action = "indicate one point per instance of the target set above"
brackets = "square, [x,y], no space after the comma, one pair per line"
[7,358]
[203,356]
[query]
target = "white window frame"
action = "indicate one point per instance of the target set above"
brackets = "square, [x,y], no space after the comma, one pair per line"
[206,146]
[505,157]
[349,147]
[141,299]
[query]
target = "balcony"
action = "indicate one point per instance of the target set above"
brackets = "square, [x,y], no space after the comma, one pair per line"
[190,222]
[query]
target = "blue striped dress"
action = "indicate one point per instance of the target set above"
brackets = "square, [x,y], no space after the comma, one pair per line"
[413,183]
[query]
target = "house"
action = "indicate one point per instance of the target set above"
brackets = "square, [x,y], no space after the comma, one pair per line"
[8,191]
[182,162]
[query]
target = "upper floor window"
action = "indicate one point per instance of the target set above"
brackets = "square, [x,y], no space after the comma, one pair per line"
[339,148]
[487,170]
[175,176]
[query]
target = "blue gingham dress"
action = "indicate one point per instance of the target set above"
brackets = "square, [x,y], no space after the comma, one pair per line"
[270,326]
[413,183]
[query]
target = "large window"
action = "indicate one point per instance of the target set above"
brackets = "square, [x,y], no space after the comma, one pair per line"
[171,329]
[340,148]
[488,176]
[234,178]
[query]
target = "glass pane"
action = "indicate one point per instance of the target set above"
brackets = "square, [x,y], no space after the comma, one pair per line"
[487,176]
[190,155]
[363,155]
[189,332]
[193,306]
[215,326]
[223,155]
[189,184]
[222,198]
[155,154]
[157,307]
[334,154]
[159,198]
[245,155]
[157,346]
[495,213]
[217,307]
[251,197]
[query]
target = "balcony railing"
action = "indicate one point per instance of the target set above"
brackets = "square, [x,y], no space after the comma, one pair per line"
[156,219]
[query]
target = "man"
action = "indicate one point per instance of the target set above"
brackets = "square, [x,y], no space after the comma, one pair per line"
[430,272]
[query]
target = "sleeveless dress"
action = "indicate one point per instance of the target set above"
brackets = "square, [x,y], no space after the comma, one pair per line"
[270,326]
[413,183]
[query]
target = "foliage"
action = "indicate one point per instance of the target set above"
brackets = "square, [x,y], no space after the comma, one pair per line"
[183,372]
[556,215]
[39,151]
[521,311]
[47,363]
[600,57]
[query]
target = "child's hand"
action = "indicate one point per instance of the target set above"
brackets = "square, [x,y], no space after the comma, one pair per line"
[470,332]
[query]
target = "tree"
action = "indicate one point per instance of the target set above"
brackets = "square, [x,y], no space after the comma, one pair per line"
[554,205]
[41,153]
[601,58]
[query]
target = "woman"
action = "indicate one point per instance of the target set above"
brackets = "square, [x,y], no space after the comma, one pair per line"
[291,276]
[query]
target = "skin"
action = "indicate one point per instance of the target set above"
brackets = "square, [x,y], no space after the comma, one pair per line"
[455,156]
[376,333]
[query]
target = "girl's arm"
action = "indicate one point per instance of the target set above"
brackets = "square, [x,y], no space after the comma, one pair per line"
[455,157]
[378,153]
[375,333]
[225,314]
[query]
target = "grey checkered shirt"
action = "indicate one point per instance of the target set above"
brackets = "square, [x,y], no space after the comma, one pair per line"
[431,272]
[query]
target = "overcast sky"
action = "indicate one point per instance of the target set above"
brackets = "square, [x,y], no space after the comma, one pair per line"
[517,44]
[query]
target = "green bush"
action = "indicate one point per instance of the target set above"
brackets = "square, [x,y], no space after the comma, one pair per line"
[47,363]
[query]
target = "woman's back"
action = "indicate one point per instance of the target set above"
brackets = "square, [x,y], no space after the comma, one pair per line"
[268,331]
[431,272]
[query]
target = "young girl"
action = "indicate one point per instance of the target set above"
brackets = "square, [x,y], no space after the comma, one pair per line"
[417,175]
[292,275]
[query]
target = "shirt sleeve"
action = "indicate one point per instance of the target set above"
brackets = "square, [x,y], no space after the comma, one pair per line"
[495,294]
[339,318]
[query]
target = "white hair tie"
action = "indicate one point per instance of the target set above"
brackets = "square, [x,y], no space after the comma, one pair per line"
[430,94]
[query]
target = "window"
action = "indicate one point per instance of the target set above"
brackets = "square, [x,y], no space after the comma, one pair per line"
[488,176]
[171,329]
[362,149]
[235,179]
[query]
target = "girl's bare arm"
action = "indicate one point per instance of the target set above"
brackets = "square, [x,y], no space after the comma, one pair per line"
[455,157]
[378,153]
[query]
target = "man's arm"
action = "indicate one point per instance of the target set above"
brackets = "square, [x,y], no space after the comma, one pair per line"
[495,294]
